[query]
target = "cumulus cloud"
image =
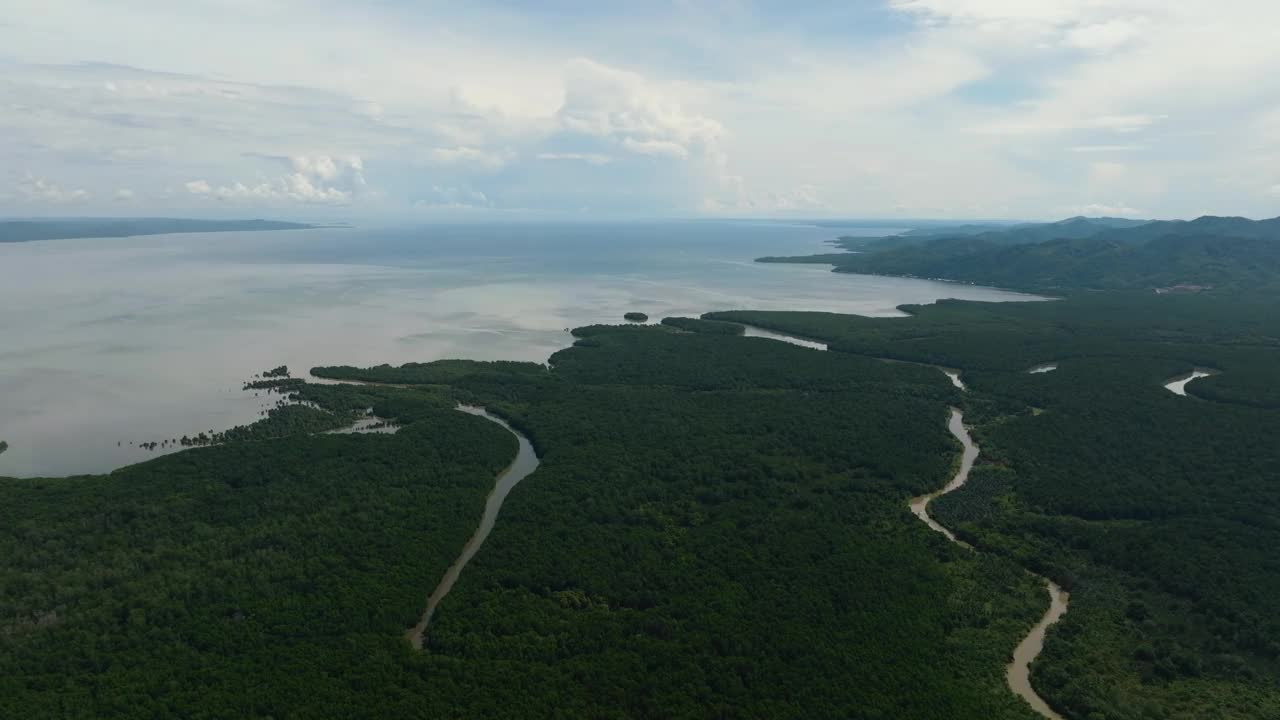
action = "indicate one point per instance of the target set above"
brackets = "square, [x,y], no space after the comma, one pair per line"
[318,179]
[622,106]
[40,190]
[740,103]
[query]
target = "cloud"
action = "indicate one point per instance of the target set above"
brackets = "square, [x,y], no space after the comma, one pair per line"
[1118,209]
[803,198]
[1104,36]
[467,156]
[39,190]
[606,102]
[665,148]
[125,194]
[1106,148]
[318,179]
[950,107]
[589,158]
[453,198]
[1124,123]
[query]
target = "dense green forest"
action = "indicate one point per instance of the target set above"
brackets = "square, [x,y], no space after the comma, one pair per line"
[66,228]
[717,529]
[1079,254]
[712,327]
[1157,512]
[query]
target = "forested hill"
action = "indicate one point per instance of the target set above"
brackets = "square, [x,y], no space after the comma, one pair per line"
[1081,254]
[66,228]
[1019,234]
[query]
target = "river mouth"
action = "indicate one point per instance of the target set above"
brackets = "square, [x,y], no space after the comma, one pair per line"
[525,462]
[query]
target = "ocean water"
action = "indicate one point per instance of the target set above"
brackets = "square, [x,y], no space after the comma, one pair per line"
[108,342]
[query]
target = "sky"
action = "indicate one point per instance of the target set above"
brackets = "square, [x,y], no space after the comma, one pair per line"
[414,109]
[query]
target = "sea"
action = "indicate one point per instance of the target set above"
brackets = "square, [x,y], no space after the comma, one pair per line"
[109,343]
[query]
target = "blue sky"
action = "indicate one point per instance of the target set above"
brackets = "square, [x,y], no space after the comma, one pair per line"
[502,109]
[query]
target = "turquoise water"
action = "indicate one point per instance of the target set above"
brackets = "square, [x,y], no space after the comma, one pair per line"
[140,339]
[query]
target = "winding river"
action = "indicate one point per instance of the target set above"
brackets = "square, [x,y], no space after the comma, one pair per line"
[525,463]
[1018,672]
[1178,385]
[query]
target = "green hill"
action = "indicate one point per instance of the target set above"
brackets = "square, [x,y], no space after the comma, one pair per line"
[1083,254]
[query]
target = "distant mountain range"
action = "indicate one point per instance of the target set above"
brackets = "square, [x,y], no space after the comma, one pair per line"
[61,229]
[1077,254]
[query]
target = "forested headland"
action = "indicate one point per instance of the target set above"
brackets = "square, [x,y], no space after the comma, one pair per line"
[1078,254]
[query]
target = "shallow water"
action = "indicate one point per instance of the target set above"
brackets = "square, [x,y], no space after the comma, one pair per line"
[130,340]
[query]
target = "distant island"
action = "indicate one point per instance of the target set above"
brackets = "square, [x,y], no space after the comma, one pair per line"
[636,317]
[14,231]
[3,446]
[1077,254]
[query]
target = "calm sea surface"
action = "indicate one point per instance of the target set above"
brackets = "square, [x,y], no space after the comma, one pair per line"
[138,339]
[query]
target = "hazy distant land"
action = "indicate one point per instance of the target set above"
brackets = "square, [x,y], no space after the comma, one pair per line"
[66,228]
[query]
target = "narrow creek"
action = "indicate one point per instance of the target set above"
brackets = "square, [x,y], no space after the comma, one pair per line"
[753,331]
[526,461]
[1018,671]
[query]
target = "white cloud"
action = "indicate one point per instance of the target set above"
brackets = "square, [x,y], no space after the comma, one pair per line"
[802,198]
[1117,209]
[124,194]
[1105,36]
[467,156]
[453,198]
[319,179]
[665,148]
[1106,148]
[39,190]
[603,101]
[589,158]
[740,103]
[1124,123]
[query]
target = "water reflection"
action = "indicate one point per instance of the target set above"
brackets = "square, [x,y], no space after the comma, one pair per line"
[141,339]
